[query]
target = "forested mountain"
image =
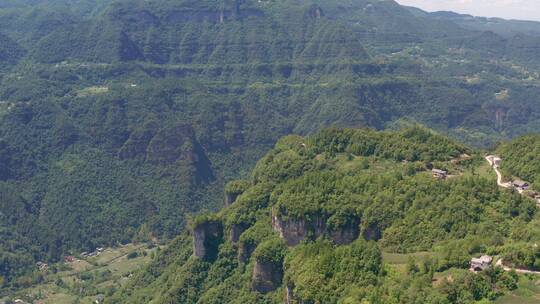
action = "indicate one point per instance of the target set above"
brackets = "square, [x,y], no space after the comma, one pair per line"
[119,118]
[507,28]
[310,224]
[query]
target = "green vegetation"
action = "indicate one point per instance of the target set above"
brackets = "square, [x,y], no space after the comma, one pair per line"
[82,280]
[364,221]
[119,119]
[521,158]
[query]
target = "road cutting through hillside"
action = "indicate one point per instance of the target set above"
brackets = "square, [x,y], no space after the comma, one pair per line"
[508,185]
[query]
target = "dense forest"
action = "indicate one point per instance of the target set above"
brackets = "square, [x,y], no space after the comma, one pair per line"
[312,221]
[118,118]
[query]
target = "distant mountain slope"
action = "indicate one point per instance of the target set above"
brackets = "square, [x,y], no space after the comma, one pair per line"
[500,26]
[10,51]
[202,33]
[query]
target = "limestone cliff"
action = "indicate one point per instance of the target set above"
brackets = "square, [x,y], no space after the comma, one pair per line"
[207,237]
[267,276]
[295,230]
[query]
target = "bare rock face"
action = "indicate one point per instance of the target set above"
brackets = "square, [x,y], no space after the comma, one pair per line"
[230,198]
[347,234]
[267,276]
[294,231]
[315,12]
[206,239]
[236,231]
[245,251]
[289,296]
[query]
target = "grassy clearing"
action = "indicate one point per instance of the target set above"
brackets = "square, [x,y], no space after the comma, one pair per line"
[401,258]
[95,90]
[86,278]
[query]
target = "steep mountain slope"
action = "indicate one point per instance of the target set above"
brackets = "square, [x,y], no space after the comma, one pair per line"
[10,51]
[118,118]
[520,158]
[310,224]
[503,27]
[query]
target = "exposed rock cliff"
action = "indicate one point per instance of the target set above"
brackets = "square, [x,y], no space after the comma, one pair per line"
[245,250]
[266,276]
[207,237]
[235,232]
[293,231]
[315,12]
[346,234]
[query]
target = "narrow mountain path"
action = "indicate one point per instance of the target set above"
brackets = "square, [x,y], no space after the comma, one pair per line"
[518,270]
[508,185]
[495,167]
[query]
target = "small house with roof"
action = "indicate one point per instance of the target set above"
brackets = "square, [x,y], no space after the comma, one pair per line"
[519,184]
[440,174]
[481,263]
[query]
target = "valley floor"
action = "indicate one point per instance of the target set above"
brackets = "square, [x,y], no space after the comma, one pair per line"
[87,279]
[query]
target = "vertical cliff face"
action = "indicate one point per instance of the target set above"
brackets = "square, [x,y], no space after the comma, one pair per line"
[289,297]
[346,234]
[293,231]
[315,12]
[230,198]
[267,276]
[245,251]
[207,237]
[236,231]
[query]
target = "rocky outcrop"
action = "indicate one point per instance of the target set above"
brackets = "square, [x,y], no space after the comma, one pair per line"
[234,189]
[289,296]
[236,231]
[315,12]
[293,231]
[230,198]
[266,277]
[245,250]
[346,234]
[207,237]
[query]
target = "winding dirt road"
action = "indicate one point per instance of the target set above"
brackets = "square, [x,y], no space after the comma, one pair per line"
[495,167]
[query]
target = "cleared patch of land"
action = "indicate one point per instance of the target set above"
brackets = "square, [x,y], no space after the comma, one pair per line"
[82,280]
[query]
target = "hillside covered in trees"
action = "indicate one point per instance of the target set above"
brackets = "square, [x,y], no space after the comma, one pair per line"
[314,219]
[521,158]
[120,117]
